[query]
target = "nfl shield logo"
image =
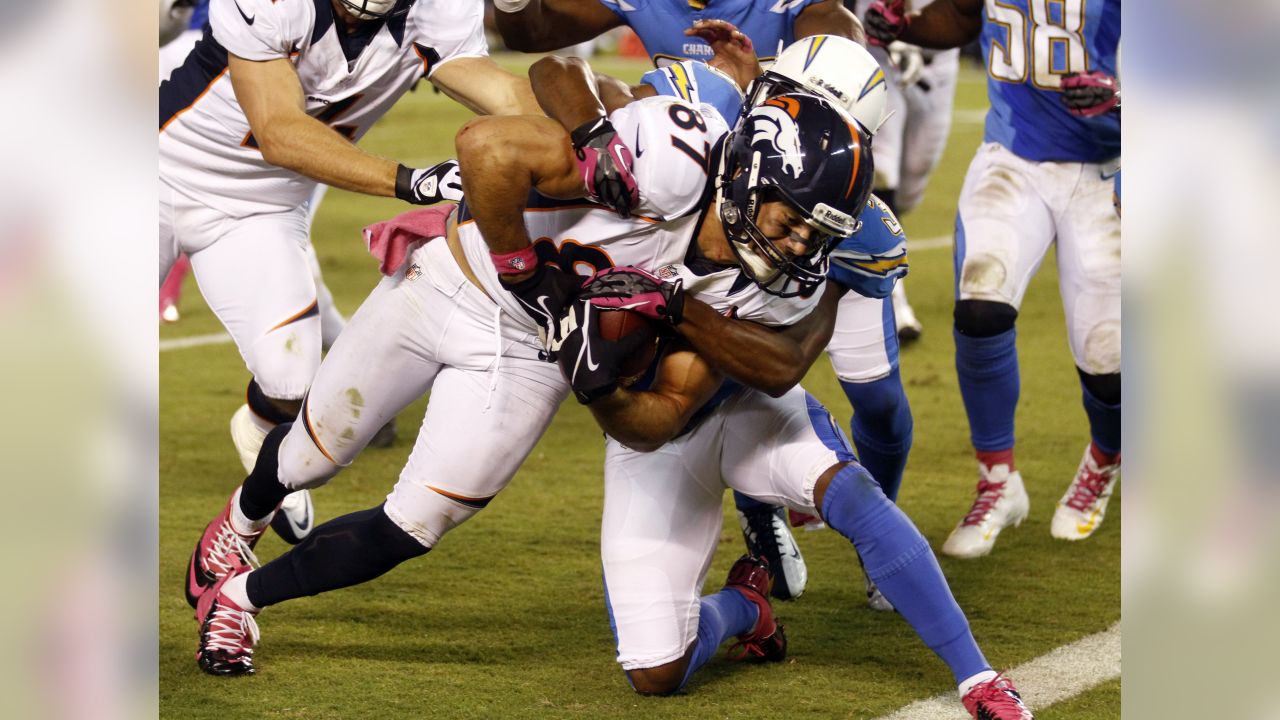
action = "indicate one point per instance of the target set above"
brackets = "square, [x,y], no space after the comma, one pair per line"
[666,272]
[413,272]
[517,264]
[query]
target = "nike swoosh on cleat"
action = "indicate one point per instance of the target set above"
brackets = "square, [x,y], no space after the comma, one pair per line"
[248,20]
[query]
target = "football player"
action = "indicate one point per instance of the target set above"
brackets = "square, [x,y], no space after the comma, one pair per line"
[267,105]
[675,441]
[459,321]
[1042,176]
[862,346]
[922,86]
[866,358]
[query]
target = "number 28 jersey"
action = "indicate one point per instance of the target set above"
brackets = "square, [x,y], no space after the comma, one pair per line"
[673,143]
[207,150]
[1028,45]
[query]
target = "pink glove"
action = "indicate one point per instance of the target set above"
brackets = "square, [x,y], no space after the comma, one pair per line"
[1090,94]
[604,162]
[630,288]
[885,21]
[391,241]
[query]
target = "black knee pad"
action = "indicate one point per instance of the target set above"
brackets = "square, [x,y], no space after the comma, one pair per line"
[1106,388]
[262,406]
[984,318]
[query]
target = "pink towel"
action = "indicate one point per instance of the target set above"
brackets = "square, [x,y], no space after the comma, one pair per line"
[390,241]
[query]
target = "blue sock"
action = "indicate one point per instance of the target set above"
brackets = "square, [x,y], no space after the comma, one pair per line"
[988,371]
[898,560]
[1104,422]
[722,616]
[881,429]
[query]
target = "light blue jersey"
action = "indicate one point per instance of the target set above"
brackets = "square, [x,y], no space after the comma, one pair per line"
[696,82]
[1028,45]
[661,24]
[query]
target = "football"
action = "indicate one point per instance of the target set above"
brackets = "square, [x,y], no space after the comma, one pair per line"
[618,324]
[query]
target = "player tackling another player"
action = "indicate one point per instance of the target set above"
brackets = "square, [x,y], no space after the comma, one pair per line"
[745,221]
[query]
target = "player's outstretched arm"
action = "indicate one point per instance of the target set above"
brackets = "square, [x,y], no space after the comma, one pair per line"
[940,25]
[648,419]
[272,99]
[271,96]
[828,18]
[546,25]
[772,360]
[484,87]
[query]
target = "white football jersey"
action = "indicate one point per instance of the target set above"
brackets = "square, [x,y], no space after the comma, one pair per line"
[672,142]
[349,81]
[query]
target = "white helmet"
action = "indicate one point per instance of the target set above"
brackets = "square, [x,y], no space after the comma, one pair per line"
[831,66]
[377,9]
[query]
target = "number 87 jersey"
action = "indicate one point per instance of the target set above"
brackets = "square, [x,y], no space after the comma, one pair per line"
[674,144]
[1028,45]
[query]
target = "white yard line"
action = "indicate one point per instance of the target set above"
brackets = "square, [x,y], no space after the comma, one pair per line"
[194,341]
[1058,675]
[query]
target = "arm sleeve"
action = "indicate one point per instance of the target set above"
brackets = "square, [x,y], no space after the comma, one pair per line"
[451,29]
[871,261]
[670,160]
[260,29]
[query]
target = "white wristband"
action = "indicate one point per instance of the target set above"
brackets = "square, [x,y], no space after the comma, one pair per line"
[510,6]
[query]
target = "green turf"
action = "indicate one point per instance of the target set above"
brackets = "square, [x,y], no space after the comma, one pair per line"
[505,618]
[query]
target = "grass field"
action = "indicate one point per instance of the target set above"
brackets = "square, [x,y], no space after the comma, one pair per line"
[505,618]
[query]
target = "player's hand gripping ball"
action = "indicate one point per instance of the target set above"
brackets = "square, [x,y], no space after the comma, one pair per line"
[603,349]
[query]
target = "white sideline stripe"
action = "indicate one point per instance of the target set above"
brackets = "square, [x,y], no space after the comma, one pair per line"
[933,243]
[194,341]
[970,117]
[1058,675]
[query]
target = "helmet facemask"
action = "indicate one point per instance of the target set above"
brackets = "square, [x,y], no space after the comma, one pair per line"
[377,9]
[773,269]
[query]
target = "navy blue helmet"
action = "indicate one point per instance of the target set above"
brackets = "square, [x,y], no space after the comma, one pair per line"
[800,149]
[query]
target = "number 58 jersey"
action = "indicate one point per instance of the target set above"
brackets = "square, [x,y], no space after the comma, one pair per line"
[207,150]
[673,143]
[1028,45]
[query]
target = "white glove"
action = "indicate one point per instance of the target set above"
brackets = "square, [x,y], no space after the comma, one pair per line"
[909,61]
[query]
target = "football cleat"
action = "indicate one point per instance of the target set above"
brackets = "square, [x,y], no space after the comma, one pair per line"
[904,318]
[1081,509]
[228,632]
[1002,501]
[765,530]
[767,641]
[876,600]
[169,312]
[247,436]
[296,517]
[996,699]
[219,553]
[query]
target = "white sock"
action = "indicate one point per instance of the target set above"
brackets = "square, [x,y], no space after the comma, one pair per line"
[242,523]
[236,590]
[969,684]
